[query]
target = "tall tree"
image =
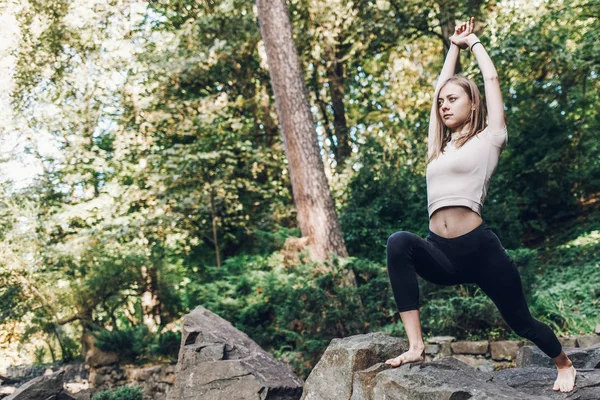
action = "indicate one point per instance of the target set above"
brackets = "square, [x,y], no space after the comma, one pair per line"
[316,211]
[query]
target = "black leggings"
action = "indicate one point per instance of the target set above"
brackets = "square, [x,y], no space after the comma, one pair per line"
[475,257]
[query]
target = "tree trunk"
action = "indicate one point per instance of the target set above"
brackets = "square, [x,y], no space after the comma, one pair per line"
[315,208]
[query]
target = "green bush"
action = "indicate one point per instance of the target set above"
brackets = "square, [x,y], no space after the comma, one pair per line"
[120,393]
[383,198]
[130,342]
[568,291]
[39,353]
[138,344]
[166,344]
[461,316]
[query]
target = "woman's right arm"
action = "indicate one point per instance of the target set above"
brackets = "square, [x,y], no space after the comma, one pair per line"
[461,31]
[447,72]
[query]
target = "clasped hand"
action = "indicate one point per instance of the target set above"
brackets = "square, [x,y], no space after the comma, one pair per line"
[461,33]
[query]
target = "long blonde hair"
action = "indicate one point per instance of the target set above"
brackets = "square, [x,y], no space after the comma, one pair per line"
[476,123]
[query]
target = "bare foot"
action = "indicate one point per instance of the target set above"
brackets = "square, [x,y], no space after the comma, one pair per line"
[566,379]
[408,357]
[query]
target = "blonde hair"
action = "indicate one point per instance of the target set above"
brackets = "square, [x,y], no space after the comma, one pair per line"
[476,122]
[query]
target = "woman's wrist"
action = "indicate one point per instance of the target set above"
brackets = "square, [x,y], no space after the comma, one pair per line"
[472,39]
[452,44]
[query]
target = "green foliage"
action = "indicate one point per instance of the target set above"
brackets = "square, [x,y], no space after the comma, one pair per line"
[166,345]
[268,241]
[135,343]
[120,393]
[459,315]
[568,289]
[70,348]
[382,198]
[40,354]
[551,81]
[130,342]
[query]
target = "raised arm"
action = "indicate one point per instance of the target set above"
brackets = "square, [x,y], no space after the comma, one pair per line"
[493,95]
[448,70]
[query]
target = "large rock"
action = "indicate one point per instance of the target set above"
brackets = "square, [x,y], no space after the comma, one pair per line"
[46,387]
[353,368]
[439,380]
[332,377]
[529,356]
[363,381]
[218,362]
[86,394]
[539,381]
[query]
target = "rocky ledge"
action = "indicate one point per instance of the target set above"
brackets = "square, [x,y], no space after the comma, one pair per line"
[354,368]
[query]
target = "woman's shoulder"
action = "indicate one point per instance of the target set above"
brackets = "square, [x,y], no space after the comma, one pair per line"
[497,136]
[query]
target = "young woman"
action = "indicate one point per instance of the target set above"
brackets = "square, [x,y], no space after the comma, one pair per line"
[460,248]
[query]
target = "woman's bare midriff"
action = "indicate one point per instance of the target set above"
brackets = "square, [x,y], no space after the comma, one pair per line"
[451,222]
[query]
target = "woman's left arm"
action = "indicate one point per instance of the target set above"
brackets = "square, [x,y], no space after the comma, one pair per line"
[493,95]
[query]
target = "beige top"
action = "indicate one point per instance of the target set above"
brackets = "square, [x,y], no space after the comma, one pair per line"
[460,177]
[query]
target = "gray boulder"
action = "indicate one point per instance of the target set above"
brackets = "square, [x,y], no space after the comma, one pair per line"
[447,379]
[332,377]
[353,368]
[47,387]
[529,356]
[539,381]
[218,362]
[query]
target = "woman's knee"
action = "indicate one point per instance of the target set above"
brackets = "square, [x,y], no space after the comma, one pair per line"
[530,330]
[527,332]
[400,242]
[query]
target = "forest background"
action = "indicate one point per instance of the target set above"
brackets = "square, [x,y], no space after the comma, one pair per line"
[144,172]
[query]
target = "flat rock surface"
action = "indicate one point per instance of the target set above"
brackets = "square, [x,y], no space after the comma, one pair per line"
[442,380]
[539,381]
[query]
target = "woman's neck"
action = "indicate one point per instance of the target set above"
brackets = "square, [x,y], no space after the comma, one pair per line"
[461,130]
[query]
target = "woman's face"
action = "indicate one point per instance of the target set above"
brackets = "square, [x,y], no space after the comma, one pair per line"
[454,106]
